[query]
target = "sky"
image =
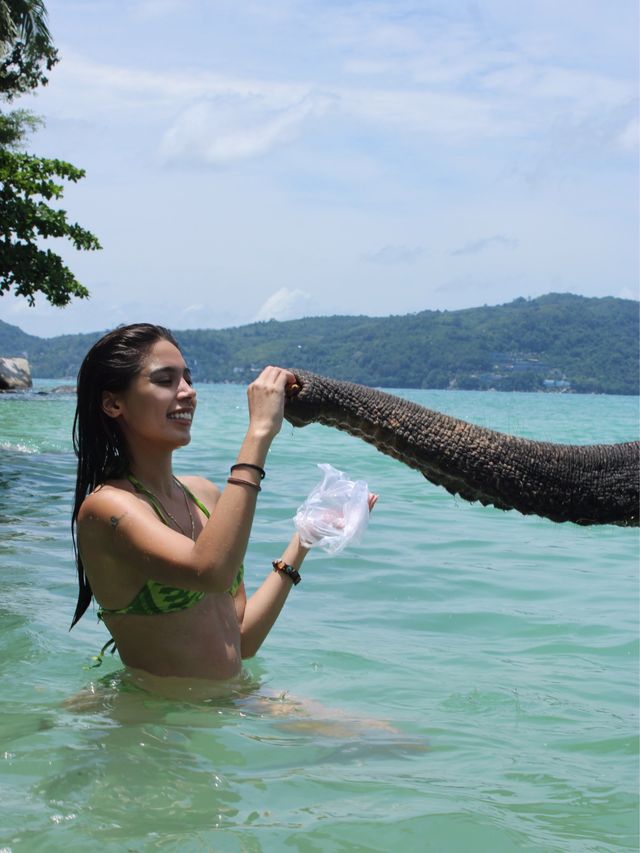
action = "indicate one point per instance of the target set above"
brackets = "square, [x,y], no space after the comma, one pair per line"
[251,160]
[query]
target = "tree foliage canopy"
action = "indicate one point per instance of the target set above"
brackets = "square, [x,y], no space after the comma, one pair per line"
[28,182]
[26,49]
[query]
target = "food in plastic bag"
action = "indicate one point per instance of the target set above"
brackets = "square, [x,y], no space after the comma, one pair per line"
[335,514]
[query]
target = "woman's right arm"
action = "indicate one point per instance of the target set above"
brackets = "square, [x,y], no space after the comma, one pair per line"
[115,527]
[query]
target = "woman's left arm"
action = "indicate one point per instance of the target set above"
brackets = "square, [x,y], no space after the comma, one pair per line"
[264,606]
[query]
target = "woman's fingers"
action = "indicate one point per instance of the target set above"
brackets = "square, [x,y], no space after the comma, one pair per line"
[272,379]
[266,397]
[278,375]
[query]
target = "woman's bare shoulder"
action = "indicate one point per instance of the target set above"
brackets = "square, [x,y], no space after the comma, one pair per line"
[106,501]
[203,489]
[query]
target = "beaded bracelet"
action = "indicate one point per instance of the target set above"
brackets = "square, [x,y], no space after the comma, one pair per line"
[284,568]
[238,482]
[249,465]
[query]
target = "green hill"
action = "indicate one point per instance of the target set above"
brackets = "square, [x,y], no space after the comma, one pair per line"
[15,342]
[555,342]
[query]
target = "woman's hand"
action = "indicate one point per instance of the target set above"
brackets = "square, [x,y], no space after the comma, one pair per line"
[266,400]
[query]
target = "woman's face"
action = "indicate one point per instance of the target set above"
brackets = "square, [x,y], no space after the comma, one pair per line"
[160,402]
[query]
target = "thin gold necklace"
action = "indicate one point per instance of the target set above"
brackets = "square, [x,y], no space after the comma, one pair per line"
[169,515]
[186,503]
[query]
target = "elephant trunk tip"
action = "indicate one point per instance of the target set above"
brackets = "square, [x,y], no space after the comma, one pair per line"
[300,407]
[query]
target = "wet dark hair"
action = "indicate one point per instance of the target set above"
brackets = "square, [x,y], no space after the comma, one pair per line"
[110,365]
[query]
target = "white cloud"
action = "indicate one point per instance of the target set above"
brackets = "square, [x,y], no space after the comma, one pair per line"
[84,89]
[286,304]
[392,255]
[476,246]
[456,116]
[460,90]
[228,129]
[218,118]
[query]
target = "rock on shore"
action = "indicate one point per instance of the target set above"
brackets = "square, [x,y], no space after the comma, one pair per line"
[15,374]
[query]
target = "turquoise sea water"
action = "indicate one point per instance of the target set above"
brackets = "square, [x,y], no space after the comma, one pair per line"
[464,680]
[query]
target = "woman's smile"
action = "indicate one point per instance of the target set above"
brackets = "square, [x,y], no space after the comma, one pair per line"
[184,416]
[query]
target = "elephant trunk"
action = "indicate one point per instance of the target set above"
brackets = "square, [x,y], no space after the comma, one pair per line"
[596,484]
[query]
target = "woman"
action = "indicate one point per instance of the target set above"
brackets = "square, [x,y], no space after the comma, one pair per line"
[162,556]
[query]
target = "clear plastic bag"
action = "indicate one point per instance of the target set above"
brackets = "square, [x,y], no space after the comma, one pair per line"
[335,514]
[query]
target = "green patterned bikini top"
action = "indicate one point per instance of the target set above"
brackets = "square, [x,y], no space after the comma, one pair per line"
[156,597]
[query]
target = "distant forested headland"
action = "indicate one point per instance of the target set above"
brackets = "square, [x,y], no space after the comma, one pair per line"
[557,342]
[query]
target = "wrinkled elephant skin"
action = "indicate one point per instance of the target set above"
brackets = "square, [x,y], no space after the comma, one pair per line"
[597,484]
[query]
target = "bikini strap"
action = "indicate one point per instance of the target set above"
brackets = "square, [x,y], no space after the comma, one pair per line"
[110,646]
[153,500]
[142,490]
[190,494]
